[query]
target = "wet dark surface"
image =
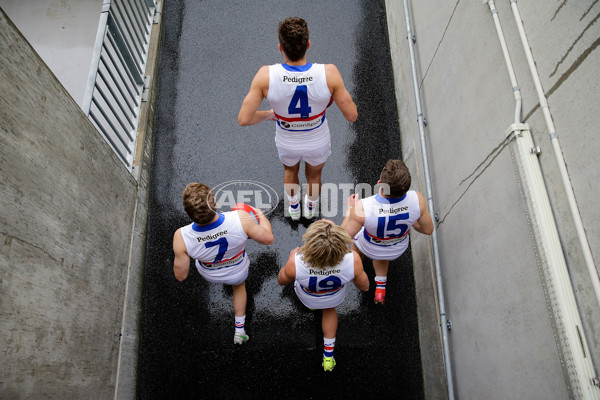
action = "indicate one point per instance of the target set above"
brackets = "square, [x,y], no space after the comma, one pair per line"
[210,53]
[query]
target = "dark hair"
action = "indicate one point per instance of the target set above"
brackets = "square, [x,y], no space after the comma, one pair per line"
[293,37]
[397,176]
[199,203]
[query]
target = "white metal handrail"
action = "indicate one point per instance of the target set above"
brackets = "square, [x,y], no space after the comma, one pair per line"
[444,322]
[116,79]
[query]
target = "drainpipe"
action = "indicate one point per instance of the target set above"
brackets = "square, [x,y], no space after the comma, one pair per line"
[572,342]
[585,246]
[436,257]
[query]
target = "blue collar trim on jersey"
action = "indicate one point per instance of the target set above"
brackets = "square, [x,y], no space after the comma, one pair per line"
[208,227]
[390,200]
[297,68]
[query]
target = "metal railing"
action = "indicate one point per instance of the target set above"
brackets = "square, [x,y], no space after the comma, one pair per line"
[116,80]
[444,321]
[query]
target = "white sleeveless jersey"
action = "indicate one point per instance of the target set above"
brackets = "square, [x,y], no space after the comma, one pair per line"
[387,223]
[299,97]
[219,248]
[318,288]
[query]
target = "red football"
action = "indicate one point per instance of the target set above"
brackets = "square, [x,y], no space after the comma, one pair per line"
[247,208]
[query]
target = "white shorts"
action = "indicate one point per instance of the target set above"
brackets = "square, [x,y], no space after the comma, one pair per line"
[320,303]
[233,276]
[374,252]
[291,156]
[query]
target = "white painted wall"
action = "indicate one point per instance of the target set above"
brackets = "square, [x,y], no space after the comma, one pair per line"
[62,32]
[502,341]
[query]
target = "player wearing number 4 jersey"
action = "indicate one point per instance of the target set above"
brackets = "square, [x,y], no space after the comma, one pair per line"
[380,224]
[217,243]
[299,93]
[320,270]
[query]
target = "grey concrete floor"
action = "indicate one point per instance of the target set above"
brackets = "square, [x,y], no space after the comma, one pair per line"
[210,53]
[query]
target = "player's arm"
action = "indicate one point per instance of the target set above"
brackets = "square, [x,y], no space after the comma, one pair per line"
[361,280]
[424,224]
[261,232]
[355,216]
[249,113]
[181,263]
[287,274]
[341,96]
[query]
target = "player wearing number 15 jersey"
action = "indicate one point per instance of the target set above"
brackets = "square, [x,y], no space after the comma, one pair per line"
[299,93]
[320,270]
[380,224]
[217,243]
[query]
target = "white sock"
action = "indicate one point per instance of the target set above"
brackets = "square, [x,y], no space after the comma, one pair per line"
[311,203]
[293,201]
[328,345]
[380,282]
[240,322]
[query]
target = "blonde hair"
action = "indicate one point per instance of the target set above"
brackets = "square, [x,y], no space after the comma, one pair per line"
[325,245]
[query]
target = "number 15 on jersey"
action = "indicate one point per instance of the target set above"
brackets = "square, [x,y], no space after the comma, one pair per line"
[391,226]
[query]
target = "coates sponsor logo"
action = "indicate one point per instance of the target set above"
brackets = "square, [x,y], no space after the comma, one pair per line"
[253,193]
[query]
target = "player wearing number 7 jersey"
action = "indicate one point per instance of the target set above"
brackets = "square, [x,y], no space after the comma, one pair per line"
[299,93]
[320,270]
[217,243]
[380,224]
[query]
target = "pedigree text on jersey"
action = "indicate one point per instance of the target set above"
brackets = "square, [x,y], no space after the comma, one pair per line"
[324,273]
[212,237]
[393,210]
[297,80]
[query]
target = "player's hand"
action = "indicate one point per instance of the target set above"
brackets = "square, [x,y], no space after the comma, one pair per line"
[271,115]
[257,211]
[352,199]
[330,222]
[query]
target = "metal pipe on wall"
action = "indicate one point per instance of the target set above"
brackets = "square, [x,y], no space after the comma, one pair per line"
[436,256]
[585,246]
[572,339]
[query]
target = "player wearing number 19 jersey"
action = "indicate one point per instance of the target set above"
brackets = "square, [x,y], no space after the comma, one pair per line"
[217,243]
[320,270]
[298,92]
[380,224]
[319,289]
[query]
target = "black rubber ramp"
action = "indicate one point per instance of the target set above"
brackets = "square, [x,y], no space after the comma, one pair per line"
[210,53]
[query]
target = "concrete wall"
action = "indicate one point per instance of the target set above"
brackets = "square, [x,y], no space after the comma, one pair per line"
[502,340]
[66,215]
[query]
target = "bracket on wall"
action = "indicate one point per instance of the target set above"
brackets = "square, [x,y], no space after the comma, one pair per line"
[146,91]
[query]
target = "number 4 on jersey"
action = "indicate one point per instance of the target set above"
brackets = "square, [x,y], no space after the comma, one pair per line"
[299,103]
